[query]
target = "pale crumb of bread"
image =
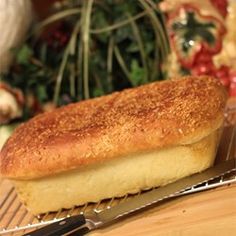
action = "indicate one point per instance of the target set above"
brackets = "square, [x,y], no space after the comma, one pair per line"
[117,177]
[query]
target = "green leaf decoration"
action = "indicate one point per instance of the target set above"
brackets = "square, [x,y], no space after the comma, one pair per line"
[24,54]
[97,92]
[42,93]
[91,48]
[137,73]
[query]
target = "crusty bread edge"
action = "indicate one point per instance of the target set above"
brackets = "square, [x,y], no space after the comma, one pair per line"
[64,155]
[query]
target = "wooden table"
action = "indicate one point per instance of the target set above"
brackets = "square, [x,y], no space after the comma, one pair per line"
[209,213]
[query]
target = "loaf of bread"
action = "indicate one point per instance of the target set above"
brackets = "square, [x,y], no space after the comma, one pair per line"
[116,144]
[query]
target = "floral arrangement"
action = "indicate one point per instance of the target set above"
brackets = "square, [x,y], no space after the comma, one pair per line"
[200,33]
[82,51]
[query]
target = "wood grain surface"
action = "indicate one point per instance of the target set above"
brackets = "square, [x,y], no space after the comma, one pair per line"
[209,213]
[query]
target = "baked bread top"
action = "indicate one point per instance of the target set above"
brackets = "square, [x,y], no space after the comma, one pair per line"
[157,115]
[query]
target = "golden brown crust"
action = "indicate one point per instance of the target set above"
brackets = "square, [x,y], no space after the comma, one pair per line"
[157,115]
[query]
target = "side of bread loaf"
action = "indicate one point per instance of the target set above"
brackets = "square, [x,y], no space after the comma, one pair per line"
[117,177]
[150,117]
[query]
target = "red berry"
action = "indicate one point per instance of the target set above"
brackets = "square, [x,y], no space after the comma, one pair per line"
[203,68]
[232,76]
[223,71]
[225,81]
[232,90]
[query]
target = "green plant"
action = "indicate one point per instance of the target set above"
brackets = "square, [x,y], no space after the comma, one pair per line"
[100,47]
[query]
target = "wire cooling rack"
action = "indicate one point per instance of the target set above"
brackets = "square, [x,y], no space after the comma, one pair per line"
[16,220]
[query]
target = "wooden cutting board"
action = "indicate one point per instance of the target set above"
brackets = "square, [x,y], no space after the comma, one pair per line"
[209,213]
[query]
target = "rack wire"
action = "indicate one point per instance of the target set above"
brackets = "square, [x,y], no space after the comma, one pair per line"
[16,220]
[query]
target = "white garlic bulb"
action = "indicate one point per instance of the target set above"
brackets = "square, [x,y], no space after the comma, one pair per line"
[15,19]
